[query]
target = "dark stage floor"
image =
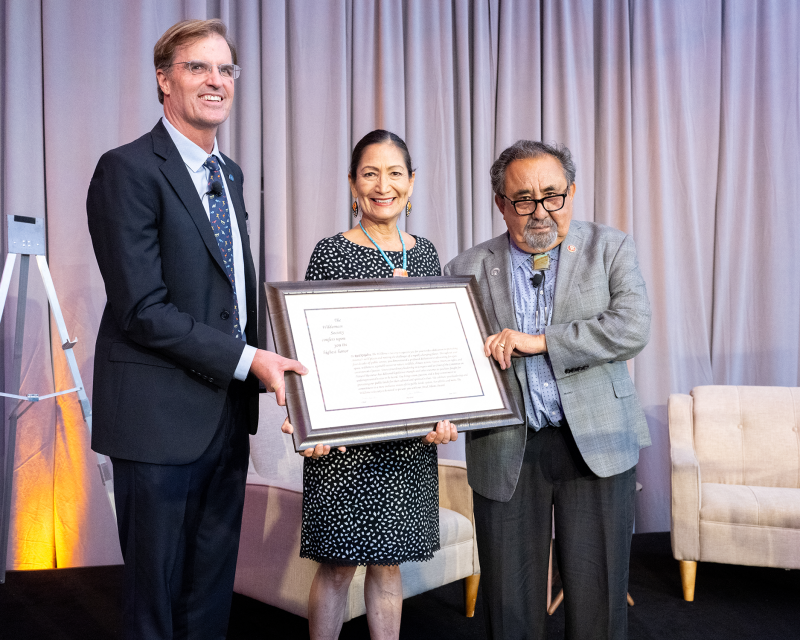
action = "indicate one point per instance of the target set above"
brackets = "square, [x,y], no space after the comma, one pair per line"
[731,603]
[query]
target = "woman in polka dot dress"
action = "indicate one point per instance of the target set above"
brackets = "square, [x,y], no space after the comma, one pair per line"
[377,504]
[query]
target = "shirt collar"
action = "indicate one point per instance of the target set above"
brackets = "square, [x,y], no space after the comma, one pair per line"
[520,258]
[193,156]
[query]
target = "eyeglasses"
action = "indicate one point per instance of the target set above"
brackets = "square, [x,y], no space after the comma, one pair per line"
[203,68]
[527,206]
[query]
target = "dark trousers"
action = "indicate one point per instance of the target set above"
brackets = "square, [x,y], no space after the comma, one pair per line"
[179,532]
[594,524]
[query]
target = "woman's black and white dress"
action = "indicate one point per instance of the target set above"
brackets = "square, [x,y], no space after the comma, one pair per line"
[375,503]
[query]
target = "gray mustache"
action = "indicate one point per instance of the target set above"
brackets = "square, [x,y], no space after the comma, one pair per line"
[533,223]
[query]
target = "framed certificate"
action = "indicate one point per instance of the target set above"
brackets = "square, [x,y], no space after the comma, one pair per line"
[387,359]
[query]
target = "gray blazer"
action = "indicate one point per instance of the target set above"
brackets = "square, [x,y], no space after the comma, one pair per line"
[601,318]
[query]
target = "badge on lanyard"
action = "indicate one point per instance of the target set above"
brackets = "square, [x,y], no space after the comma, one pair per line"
[541,261]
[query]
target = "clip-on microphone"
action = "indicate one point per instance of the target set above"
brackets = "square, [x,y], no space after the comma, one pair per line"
[536,281]
[215,189]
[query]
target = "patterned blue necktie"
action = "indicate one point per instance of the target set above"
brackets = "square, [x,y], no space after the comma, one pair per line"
[221,226]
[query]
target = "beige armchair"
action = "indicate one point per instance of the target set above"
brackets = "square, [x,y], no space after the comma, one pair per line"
[269,568]
[735,455]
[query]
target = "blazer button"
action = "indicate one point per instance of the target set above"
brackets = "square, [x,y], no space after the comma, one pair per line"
[224,315]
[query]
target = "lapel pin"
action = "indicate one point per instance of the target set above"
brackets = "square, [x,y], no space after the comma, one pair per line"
[230,177]
[571,248]
[495,271]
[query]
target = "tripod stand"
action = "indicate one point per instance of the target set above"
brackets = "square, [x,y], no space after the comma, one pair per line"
[26,238]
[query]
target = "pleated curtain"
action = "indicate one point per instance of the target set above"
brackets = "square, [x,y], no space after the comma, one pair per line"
[682,116]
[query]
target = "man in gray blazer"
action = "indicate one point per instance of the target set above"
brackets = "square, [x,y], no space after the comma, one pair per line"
[568,306]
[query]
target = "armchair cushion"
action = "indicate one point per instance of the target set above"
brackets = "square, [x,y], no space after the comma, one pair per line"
[453,528]
[751,505]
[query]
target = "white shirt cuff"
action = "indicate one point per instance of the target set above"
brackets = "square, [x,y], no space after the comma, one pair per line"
[245,362]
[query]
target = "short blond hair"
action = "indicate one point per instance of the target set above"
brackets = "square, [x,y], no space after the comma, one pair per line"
[182,33]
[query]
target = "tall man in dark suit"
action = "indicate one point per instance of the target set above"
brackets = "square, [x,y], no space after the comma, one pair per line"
[568,306]
[176,364]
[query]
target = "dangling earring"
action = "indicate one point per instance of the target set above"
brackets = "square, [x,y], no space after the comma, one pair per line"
[355,208]
[408,208]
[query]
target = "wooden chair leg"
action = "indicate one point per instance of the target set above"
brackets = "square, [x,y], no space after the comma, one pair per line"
[688,575]
[551,608]
[471,592]
[550,577]
[556,601]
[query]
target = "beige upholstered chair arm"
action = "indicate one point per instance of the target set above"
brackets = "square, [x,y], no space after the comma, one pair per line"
[685,480]
[454,491]
[456,494]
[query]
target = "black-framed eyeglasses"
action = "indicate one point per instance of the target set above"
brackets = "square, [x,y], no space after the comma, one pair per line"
[203,68]
[527,206]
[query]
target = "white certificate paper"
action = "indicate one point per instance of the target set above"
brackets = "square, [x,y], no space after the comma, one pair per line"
[375,356]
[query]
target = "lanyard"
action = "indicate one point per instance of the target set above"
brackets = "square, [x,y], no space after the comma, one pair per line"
[547,316]
[385,257]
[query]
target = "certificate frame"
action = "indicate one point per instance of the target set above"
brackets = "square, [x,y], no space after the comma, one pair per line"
[306,436]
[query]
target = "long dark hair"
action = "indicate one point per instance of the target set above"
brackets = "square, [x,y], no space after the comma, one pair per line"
[379,136]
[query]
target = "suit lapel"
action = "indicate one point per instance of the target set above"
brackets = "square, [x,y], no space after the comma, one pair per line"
[499,262]
[175,172]
[502,293]
[568,265]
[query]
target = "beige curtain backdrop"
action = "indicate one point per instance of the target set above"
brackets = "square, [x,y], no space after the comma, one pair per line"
[683,117]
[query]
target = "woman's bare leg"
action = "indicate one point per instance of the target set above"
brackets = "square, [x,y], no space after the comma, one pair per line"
[383,594]
[327,601]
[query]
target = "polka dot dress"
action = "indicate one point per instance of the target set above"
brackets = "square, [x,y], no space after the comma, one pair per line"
[375,503]
[337,258]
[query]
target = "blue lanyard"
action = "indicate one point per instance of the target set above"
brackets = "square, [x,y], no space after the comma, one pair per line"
[385,257]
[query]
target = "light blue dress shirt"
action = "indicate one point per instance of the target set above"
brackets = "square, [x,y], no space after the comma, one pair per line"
[542,400]
[194,157]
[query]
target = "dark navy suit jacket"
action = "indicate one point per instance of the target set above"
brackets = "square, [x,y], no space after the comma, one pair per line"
[165,356]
